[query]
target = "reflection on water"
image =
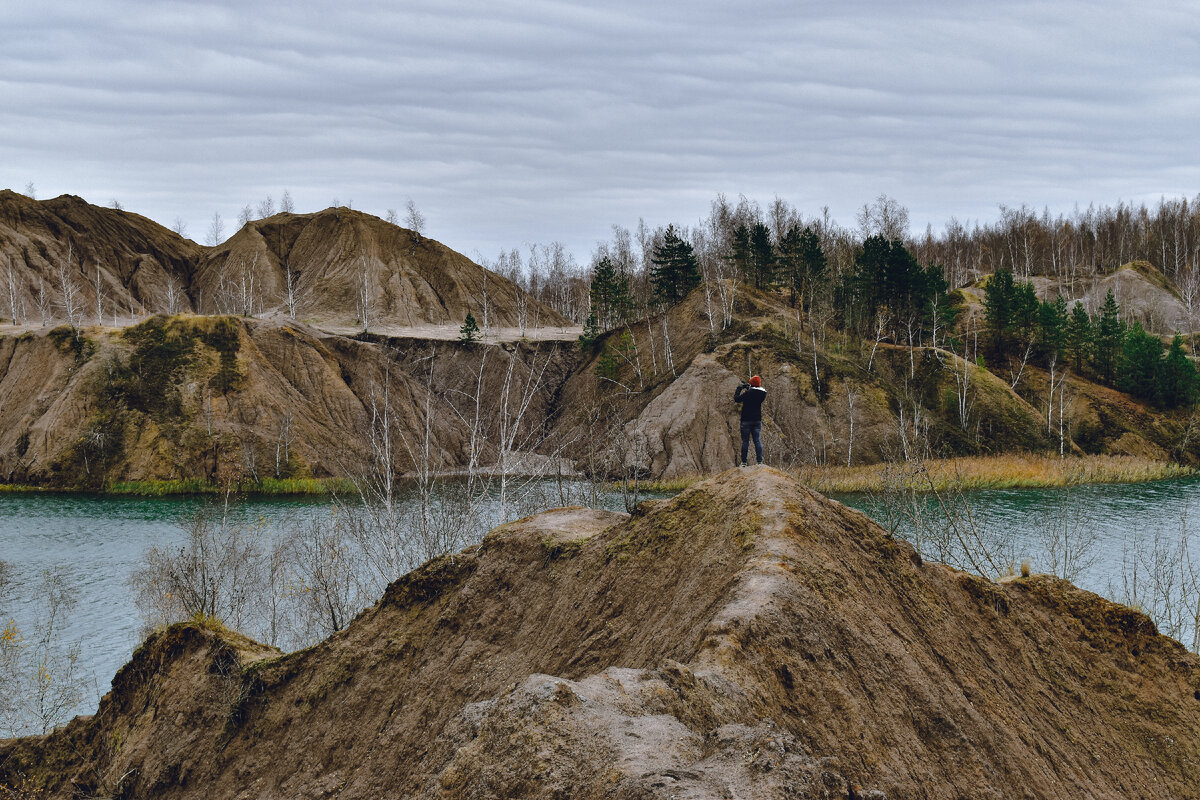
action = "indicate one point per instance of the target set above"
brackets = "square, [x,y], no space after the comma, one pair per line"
[98,540]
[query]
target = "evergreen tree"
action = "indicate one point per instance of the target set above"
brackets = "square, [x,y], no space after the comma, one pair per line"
[1110,334]
[591,333]
[800,262]
[762,256]
[1024,312]
[1178,383]
[676,271]
[886,276]
[609,294]
[998,301]
[740,255]
[1052,325]
[1080,336]
[1139,364]
[469,331]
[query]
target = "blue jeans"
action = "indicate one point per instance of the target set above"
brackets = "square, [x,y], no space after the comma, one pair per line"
[749,430]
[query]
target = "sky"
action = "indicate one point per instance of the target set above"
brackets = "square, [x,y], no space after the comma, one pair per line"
[509,123]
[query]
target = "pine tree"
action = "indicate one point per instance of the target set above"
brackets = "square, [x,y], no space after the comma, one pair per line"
[886,276]
[591,333]
[1080,336]
[1052,328]
[469,331]
[609,294]
[762,256]
[1024,312]
[1110,334]
[676,271]
[1139,364]
[998,308]
[801,262]
[1178,383]
[740,255]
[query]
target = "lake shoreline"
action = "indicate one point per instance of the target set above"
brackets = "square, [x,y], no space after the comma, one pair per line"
[927,475]
[969,473]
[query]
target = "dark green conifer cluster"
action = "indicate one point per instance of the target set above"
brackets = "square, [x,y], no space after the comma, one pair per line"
[1126,357]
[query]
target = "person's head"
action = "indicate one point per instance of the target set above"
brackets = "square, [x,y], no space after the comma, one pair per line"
[755,381]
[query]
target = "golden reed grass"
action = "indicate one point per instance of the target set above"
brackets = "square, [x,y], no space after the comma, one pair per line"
[967,472]
[994,472]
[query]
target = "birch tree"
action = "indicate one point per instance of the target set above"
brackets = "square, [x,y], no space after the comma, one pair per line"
[69,292]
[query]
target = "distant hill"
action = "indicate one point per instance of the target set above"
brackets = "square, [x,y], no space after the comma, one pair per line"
[138,265]
[410,279]
[64,252]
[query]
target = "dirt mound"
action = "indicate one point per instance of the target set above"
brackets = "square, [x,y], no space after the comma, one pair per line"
[746,639]
[335,254]
[139,267]
[136,264]
[859,402]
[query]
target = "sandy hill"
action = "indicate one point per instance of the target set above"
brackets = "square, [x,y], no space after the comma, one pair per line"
[411,279]
[1144,293]
[747,639]
[222,398]
[140,263]
[677,417]
[143,268]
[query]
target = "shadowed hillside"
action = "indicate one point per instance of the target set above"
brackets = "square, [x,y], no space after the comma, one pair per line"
[49,244]
[749,638]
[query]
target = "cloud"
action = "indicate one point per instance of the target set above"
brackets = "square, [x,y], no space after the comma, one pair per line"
[510,123]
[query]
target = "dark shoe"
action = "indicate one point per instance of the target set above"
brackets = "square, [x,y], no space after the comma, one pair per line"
[743,464]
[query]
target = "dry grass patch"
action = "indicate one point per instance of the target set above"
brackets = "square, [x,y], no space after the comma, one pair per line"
[994,472]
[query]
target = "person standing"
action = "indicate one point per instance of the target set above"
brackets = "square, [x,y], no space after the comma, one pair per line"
[751,396]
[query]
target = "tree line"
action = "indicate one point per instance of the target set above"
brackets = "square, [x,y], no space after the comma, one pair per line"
[1072,248]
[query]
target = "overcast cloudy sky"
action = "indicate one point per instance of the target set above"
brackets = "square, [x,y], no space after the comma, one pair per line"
[510,123]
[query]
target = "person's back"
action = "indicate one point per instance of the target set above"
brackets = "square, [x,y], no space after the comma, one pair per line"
[751,395]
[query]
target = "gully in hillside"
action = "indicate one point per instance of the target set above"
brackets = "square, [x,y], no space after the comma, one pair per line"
[751,396]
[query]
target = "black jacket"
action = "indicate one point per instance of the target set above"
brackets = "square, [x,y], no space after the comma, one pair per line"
[751,398]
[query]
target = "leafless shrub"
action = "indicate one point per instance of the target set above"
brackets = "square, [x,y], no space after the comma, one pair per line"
[1160,576]
[40,678]
[215,573]
[939,522]
[1068,536]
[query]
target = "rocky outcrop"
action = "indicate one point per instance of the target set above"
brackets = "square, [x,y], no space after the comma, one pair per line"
[747,639]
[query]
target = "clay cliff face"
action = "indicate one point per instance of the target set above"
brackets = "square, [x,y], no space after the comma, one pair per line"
[746,639]
[227,399]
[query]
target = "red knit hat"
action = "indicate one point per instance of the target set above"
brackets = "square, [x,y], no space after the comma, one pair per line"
[755,381]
